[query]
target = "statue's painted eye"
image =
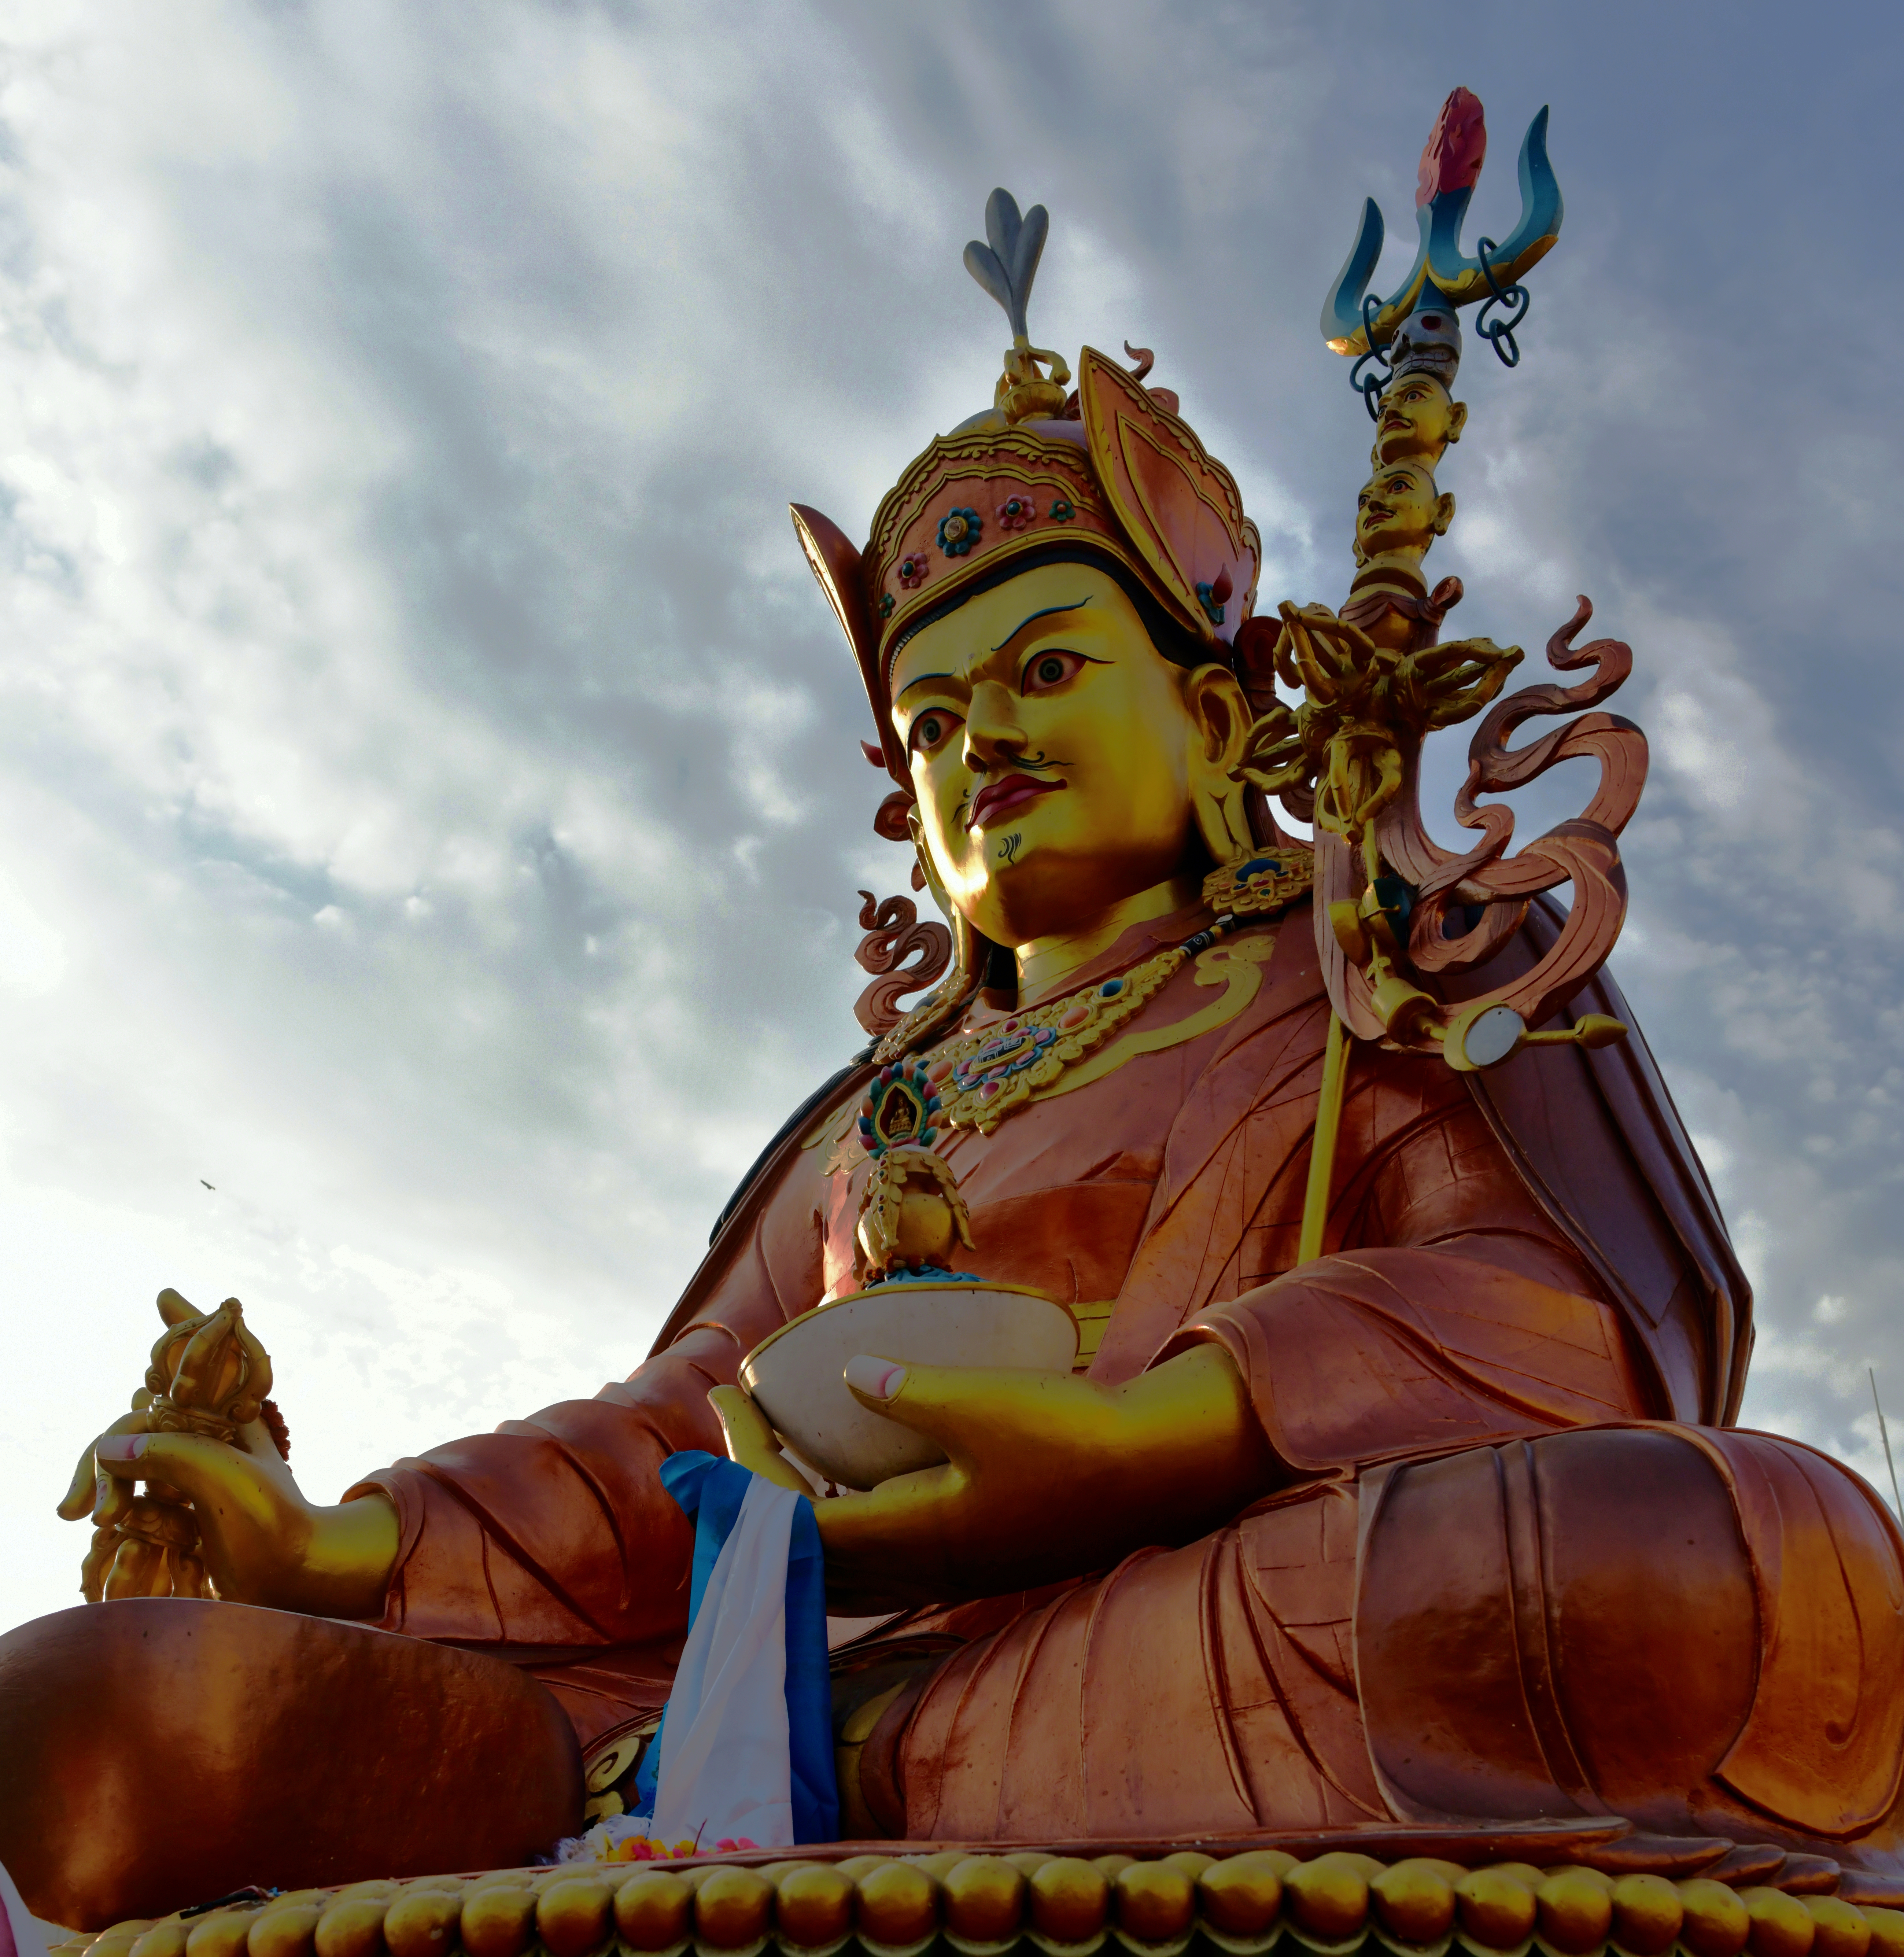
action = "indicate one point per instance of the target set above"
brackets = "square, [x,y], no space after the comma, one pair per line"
[929,730]
[1050,669]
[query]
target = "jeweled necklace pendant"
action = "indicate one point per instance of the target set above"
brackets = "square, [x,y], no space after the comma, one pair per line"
[899,1108]
[912,1215]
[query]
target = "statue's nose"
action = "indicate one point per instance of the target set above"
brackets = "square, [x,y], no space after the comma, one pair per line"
[992,727]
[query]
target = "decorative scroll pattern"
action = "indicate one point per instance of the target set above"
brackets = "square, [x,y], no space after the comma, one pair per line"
[1462,907]
[894,935]
[1583,851]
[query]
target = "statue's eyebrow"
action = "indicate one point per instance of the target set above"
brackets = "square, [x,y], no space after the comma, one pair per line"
[1050,610]
[1077,604]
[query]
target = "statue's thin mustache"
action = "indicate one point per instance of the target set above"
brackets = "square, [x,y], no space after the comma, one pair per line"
[1021,764]
[1040,760]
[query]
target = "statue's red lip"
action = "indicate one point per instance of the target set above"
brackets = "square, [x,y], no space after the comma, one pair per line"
[1011,792]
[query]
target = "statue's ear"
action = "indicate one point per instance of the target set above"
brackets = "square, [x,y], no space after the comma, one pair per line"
[1443,512]
[1219,721]
[835,564]
[1457,419]
[1179,506]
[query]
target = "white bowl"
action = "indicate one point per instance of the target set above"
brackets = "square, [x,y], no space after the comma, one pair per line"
[794,1375]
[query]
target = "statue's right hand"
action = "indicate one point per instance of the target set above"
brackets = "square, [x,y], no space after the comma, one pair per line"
[260,1540]
[128,1555]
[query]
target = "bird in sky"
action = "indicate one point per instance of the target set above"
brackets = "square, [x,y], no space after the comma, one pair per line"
[212,1186]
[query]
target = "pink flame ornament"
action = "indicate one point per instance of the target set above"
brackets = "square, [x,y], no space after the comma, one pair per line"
[1457,146]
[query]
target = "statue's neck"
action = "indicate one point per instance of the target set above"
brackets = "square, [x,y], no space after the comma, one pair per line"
[1047,965]
[1397,570]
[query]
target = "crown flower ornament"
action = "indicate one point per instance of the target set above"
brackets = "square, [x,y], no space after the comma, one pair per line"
[1034,382]
[958,530]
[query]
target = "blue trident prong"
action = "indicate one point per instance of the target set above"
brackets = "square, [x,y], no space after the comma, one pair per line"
[1459,279]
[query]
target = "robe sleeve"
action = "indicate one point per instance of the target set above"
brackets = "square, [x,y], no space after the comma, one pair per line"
[554,1533]
[1448,1310]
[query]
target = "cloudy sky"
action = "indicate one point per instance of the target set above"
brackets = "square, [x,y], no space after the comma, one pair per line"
[430,800]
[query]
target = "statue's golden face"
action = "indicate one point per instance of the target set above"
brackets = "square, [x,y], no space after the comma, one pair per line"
[1054,750]
[1418,421]
[1399,509]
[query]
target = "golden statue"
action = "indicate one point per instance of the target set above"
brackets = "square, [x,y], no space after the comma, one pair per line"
[1396,1484]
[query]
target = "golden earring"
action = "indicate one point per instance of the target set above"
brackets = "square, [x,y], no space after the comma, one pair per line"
[1217,806]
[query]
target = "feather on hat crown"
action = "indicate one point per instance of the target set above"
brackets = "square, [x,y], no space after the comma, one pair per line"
[1113,468]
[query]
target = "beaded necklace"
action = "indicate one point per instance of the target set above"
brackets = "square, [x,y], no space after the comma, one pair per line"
[980,1077]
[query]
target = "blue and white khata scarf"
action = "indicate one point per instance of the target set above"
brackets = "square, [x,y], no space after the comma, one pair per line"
[745,1750]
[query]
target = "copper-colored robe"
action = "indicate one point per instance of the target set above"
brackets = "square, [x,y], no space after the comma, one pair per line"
[1511,1567]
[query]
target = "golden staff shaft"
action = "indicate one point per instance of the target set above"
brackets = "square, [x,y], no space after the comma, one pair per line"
[1328,1121]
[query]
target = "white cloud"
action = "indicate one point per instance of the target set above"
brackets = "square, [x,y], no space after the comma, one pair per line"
[32,954]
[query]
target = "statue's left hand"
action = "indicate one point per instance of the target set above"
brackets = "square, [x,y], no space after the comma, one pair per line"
[1047,1475]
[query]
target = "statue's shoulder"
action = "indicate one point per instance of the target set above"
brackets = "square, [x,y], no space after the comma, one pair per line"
[803,1133]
